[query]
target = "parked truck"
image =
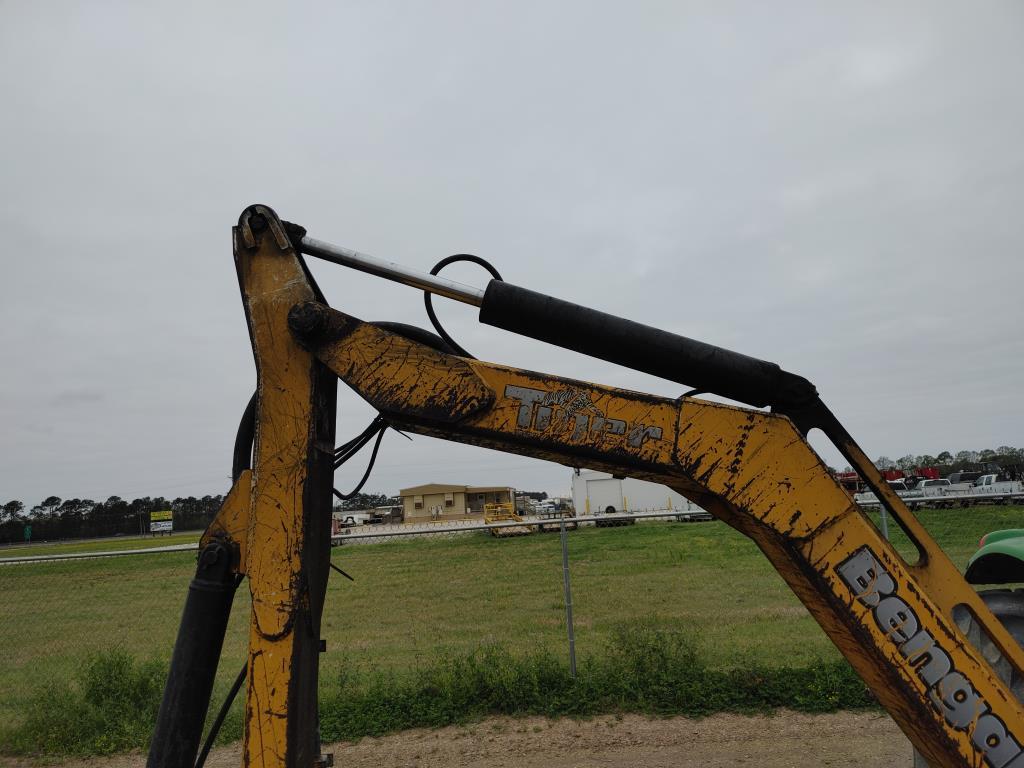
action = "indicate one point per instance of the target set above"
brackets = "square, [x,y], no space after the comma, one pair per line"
[991,485]
[986,489]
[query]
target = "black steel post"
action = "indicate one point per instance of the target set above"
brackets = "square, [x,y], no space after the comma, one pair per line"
[179,726]
[567,584]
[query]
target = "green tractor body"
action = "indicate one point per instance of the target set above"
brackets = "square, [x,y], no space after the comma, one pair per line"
[999,559]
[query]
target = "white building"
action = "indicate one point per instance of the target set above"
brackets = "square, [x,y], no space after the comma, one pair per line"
[595,493]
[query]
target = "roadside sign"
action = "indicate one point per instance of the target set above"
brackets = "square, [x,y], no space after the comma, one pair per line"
[28,533]
[161,522]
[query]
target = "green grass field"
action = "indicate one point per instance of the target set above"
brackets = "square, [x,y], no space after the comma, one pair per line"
[416,600]
[116,544]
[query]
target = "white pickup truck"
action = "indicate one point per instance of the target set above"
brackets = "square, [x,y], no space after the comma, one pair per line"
[941,487]
[941,493]
[868,498]
[989,484]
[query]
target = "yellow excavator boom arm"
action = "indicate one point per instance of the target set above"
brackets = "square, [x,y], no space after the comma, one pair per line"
[753,469]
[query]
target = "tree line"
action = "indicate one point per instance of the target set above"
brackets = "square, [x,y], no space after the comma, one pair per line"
[1004,456]
[56,518]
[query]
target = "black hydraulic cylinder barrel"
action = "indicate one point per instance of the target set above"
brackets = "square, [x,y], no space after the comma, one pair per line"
[706,367]
[179,726]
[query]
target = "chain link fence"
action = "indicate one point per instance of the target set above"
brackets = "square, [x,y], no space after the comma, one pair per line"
[420,592]
[427,592]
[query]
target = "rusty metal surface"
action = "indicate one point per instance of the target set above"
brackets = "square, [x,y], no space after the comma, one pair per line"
[891,619]
[289,501]
[756,471]
[393,373]
[232,520]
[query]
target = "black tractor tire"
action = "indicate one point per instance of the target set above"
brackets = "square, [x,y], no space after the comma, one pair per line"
[609,510]
[1008,607]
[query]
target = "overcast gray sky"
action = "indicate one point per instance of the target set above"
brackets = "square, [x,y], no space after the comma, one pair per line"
[837,188]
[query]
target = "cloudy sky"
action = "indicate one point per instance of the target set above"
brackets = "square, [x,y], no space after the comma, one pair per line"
[837,189]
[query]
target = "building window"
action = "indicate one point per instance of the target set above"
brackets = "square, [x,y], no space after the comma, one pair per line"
[449,499]
[417,502]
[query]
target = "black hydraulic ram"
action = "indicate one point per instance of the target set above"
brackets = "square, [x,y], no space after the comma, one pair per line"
[703,366]
[186,698]
[642,348]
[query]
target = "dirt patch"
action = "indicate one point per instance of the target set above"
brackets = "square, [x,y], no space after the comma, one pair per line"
[783,740]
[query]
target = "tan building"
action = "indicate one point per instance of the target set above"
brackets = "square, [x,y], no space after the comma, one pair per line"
[436,501]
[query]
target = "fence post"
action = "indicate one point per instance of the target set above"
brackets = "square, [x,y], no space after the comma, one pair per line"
[568,597]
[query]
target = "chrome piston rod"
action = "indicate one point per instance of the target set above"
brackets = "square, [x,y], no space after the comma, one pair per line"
[363,262]
[705,367]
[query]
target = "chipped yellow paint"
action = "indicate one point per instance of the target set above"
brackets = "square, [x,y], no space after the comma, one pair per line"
[760,463]
[755,471]
[876,652]
[373,355]
[752,469]
[778,491]
[232,520]
[272,282]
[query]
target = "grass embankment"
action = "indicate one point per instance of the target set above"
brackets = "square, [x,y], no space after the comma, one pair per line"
[443,630]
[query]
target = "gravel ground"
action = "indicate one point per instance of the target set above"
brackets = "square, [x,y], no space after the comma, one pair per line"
[783,740]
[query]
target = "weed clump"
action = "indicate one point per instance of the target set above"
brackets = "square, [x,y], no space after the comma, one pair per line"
[110,706]
[646,668]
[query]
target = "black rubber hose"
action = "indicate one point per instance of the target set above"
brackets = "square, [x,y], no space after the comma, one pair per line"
[215,728]
[429,304]
[241,459]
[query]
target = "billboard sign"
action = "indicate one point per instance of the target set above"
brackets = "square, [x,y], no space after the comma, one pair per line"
[161,522]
